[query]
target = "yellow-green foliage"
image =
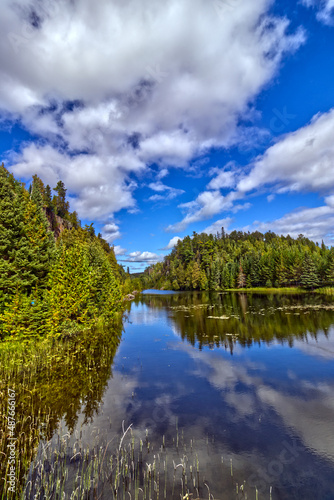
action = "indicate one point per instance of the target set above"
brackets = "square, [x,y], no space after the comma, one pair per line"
[47,287]
[69,293]
[82,286]
[24,315]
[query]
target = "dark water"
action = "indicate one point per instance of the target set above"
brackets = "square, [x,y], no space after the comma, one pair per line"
[245,380]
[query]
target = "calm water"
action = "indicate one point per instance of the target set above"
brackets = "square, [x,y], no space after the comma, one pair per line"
[242,383]
[239,388]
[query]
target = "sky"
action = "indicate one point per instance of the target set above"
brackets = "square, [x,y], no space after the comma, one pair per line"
[165,118]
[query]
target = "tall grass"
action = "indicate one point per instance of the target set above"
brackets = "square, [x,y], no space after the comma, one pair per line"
[51,379]
[68,470]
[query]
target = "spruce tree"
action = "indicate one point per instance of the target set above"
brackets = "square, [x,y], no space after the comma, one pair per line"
[48,197]
[25,243]
[59,201]
[309,278]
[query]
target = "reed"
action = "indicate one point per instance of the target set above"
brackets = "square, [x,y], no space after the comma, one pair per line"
[66,469]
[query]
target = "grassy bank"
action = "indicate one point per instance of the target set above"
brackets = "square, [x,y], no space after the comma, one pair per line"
[325,291]
[267,290]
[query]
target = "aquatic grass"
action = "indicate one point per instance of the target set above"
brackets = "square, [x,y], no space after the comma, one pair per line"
[67,470]
[45,391]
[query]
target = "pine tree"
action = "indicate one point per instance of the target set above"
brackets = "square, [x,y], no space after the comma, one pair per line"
[74,219]
[59,201]
[23,265]
[309,277]
[48,197]
[37,191]
[69,288]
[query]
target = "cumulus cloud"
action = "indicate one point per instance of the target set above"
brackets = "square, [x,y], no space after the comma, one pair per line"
[206,205]
[224,178]
[119,250]
[216,227]
[115,86]
[111,232]
[315,223]
[102,184]
[172,243]
[300,161]
[148,257]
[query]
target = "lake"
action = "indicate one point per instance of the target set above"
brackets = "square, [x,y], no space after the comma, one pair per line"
[230,395]
[243,381]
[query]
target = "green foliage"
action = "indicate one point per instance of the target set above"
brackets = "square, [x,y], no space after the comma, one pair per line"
[25,316]
[309,277]
[26,245]
[240,260]
[61,206]
[48,287]
[82,285]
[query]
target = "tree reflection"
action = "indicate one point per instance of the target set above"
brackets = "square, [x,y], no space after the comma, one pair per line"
[53,380]
[224,319]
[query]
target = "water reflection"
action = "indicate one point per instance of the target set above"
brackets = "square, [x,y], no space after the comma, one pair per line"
[215,320]
[264,415]
[266,406]
[53,382]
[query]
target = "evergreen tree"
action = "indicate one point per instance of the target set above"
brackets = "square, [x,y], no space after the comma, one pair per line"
[196,276]
[25,244]
[48,197]
[59,201]
[266,260]
[309,277]
[44,290]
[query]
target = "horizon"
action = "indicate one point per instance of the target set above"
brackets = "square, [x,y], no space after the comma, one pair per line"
[165,119]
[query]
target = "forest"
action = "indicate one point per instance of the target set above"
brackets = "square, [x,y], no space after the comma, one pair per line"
[55,276]
[243,260]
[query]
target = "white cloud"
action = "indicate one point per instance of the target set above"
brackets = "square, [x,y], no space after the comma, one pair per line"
[102,184]
[315,223]
[206,205]
[159,187]
[148,257]
[224,178]
[216,227]
[325,12]
[111,232]
[301,160]
[119,250]
[121,85]
[173,242]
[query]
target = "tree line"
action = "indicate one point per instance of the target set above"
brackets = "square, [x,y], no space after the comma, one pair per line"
[243,260]
[52,281]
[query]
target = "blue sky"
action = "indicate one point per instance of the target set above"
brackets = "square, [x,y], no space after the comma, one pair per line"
[164,118]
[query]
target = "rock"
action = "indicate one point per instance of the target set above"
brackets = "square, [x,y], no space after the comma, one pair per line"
[129,296]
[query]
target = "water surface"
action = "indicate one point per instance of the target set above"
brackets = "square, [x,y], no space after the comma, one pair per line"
[242,383]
